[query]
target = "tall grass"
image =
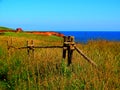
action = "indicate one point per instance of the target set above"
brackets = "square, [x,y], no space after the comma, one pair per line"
[48,71]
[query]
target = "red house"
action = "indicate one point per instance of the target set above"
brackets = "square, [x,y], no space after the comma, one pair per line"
[19,30]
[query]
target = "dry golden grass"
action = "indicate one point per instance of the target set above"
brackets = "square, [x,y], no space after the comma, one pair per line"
[47,70]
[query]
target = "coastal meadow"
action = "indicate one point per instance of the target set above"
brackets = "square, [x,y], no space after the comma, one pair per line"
[46,70]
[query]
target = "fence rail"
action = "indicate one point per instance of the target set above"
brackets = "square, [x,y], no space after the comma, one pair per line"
[68,48]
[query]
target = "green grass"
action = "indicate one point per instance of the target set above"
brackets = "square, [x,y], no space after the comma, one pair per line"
[31,36]
[48,71]
[5,28]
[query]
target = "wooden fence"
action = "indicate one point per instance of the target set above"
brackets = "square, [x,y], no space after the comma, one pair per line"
[68,47]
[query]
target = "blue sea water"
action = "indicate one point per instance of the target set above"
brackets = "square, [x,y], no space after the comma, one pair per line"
[85,36]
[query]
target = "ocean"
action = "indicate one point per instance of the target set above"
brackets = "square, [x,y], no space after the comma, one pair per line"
[85,36]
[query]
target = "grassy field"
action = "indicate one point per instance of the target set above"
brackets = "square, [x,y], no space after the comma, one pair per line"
[48,71]
[5,28]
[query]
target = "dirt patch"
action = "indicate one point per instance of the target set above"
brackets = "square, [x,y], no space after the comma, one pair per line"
[47,33]
[35,32]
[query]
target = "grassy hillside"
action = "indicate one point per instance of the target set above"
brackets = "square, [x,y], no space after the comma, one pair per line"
[5,28]
[46,70]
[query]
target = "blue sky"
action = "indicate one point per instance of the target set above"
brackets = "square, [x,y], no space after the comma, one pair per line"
[61,14]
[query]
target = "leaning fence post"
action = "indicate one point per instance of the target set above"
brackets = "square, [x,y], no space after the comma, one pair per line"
[88,59]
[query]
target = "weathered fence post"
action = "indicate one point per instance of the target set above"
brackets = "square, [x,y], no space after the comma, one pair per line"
[30,46]
[70,49]
[28,51]
[64,47]
[68,45]
[8,49]
[9,45]
[84,56]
